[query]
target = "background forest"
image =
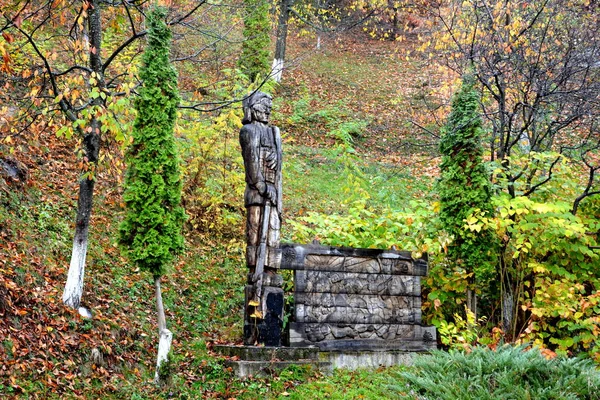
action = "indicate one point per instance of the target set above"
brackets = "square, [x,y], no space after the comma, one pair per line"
[468,131]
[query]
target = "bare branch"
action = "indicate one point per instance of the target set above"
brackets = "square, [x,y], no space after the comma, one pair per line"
[544,181]
[73,68]
[122,47]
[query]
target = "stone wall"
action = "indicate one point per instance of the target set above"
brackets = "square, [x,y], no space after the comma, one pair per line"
[359,299]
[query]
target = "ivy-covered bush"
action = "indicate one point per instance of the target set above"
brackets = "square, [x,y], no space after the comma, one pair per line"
[464,189]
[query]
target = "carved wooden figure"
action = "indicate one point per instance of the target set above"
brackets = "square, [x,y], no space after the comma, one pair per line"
[261,150]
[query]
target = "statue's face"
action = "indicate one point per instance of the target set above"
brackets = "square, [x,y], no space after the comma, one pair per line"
[262,110]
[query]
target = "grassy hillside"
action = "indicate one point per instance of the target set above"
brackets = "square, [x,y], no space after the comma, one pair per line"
[348,105]
[354,93]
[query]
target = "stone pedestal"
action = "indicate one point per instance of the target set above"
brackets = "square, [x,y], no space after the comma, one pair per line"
[354,308]
[256,361]
[353,300]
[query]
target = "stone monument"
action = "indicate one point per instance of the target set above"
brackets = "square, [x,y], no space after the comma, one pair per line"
[261,151]
[352,307]
[360,307]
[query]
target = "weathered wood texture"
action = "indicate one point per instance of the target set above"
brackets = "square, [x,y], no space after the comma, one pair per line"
[363,336]
[355,283]
[357,299]
[342,259]
[357,309]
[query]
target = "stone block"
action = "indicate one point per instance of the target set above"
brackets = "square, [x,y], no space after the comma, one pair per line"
[353,360]
[356,283]
[357,309]
[329,336]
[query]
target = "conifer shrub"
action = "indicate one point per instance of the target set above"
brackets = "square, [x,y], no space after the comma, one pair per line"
[464,190]
[505,373]
[254,61]
[151,231]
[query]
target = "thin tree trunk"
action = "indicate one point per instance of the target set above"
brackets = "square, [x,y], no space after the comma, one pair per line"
[472,302]
[282,30]
[508,306]
[91,146]
[507,301]
[165,335]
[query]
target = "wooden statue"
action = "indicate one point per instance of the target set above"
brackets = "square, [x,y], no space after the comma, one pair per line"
[261,150]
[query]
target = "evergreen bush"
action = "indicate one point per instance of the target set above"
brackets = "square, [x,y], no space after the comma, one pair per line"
[465,190]
[151,231]
[255,61]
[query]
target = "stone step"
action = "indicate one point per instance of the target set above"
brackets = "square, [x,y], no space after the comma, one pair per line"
[352,360]
[243,368]
[262,353]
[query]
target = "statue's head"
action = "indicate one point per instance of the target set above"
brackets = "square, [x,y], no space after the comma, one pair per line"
[257,107]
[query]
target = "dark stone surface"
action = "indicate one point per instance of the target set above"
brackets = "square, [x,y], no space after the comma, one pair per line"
[344,259]
[342,346]
[267,330]
[357,299]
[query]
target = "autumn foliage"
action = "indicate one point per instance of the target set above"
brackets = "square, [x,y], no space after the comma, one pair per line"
[361,122]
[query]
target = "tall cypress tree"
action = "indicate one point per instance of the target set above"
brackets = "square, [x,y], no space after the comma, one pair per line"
[254,61]
[464,187]
[151,231]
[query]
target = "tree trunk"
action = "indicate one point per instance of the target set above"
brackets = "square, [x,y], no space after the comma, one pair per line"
[74,286]
[165,335]
[472,302]
[508,306]
[282,30]
[91,146]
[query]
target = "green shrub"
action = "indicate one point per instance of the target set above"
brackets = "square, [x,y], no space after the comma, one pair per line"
[363,225]
[150,233]
[214,175]
[255,61]
[335,121]
[464,189]
[506,373]
[214,170]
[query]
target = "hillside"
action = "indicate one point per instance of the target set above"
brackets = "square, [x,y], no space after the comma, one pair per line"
[511,231]
[48,351]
